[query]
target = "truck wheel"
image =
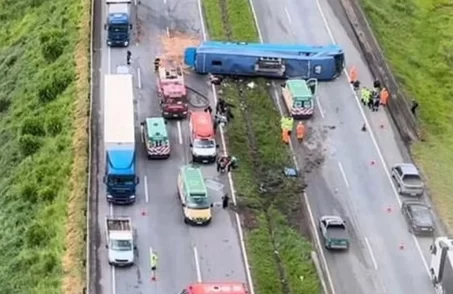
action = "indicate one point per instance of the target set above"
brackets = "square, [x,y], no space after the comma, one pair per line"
[149,157]
[327,246]
[186,221]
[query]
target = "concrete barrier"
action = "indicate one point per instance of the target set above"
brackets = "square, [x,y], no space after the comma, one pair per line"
[399,103]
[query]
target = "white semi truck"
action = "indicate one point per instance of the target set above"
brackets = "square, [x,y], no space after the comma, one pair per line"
[120,241]
[441,267]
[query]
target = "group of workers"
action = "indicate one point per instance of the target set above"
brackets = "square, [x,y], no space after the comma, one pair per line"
[286,124]
[226,163]
[373,98]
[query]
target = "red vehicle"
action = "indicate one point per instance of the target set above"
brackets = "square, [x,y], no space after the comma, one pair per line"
[173,92]
[216,288]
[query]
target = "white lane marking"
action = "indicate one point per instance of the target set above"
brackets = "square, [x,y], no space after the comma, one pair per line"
[315,229]
[113,279]
[230,179]
[370,250]
[318,244]
[146,189]
[340,166]
[109,60]
[168,32]
[200,12]
[135,2]
[197,264]
[165,1]
[288,15]
[139,78]
[321,109]
[244,251]
[178,124]
[111,209]
[373,138]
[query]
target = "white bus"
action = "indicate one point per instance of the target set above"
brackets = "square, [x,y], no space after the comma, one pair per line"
[441,267]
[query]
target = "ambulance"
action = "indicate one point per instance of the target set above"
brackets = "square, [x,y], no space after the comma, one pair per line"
[203,145]
[155,138]
[216,288]
[299,95]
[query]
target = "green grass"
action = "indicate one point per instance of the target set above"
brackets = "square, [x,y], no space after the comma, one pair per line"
[270,219]
[43,110]
[417,39]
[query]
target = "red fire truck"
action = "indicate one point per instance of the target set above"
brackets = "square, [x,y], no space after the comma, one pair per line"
[216,288]
[172,92]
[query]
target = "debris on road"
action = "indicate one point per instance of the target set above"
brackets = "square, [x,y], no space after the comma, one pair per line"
[174,44]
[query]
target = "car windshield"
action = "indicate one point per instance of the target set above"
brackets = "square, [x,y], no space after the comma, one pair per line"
[198,201]
[118,28]
[421,215]
[205,144]
[124,180]
[304,104]
[121,245]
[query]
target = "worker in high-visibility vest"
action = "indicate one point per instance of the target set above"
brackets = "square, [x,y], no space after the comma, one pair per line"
[300,131]
[353,75]
[289,121]
[384,97]
[365,96]
[285,136]
[153,261]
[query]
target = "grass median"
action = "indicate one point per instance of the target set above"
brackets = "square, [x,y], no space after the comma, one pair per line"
[417,42]
[43,157]
[280,256]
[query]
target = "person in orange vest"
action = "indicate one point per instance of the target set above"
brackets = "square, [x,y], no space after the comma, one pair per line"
[384,97]
[353,75]
[285,136]
[300,131]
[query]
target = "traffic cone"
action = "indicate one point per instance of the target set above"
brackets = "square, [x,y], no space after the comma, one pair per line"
[373,162]
[153,276]
[143,212]
[401,246]
[389,208]
[382,126]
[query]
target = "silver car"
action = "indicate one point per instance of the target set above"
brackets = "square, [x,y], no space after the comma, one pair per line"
[408,180]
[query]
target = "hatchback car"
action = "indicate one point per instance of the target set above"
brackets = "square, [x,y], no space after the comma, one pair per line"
[408,180]
[419,218]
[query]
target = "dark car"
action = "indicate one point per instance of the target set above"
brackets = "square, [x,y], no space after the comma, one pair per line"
[419,218]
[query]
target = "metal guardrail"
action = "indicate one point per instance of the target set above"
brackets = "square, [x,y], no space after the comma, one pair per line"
[398,105]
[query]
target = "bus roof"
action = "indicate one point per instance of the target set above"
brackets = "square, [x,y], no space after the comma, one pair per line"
[193,179]
[156,128]
[299,88]
[218,288]
[202,124]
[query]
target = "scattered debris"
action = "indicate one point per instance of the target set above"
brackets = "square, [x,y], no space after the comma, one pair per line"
[174,44]
[251,85]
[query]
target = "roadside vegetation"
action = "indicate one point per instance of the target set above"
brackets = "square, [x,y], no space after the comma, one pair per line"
[43,154]
[417,39]
[280,254]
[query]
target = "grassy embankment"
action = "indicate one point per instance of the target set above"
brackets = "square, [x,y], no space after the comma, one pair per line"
[272,219]
[417,39]
[44,86]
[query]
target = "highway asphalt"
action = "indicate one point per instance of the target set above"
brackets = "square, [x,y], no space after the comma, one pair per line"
[347,169]
[186,254]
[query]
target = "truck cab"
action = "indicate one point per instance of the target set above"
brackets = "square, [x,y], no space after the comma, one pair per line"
[120,178]
[155,138]
[173,92]
[334,233]
[118,24]
[203,145]
[298,96]
[194,196]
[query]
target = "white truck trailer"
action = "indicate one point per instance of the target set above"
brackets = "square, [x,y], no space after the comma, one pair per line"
[119,139]
[441,267]
[120,241]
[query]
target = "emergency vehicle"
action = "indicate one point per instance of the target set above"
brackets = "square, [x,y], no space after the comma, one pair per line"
[441,266]
[298,96]
[216,288]
[194,197]
[173,92]
[155,138]
[203,145]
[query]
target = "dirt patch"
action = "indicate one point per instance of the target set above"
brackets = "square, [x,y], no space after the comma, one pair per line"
[174,45]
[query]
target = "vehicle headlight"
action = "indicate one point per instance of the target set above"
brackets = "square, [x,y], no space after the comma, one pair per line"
[126,43]
[132,197]
[109,196]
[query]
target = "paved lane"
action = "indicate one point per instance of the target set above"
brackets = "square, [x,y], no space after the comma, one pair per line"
[342,179]
[186,254]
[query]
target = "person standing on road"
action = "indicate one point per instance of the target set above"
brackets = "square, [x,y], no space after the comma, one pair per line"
[377,84]
[128,57]
[384,97]
[153,261]
[156,63]
[353,75]
[414,107]
[300,132]
[365,96]
[225,200]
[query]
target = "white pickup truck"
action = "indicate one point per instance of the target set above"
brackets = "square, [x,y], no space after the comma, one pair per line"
[120,241]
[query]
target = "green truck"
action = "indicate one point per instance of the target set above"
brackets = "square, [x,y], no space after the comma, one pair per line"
[334,232]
